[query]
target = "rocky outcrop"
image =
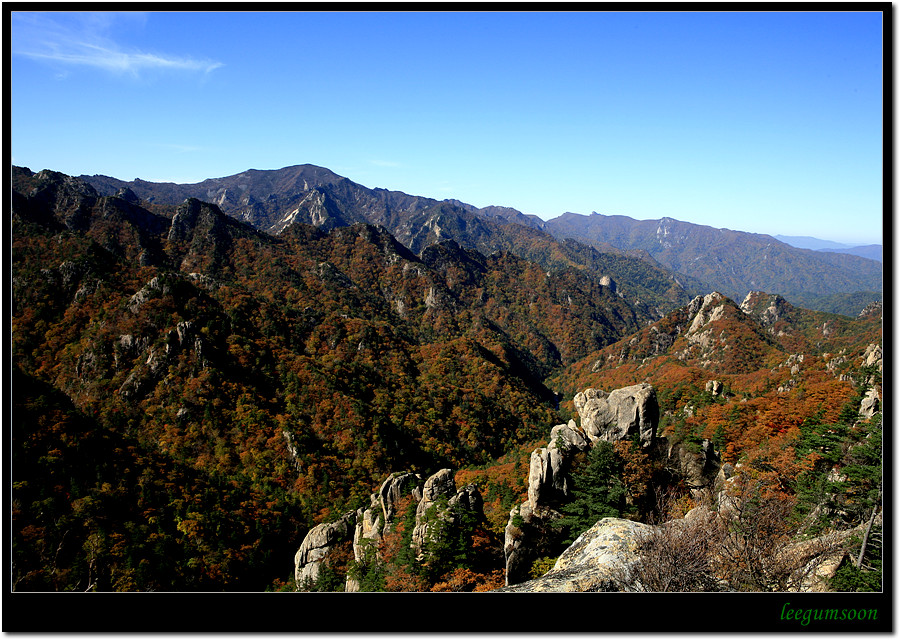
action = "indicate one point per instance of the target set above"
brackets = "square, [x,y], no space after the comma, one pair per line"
[619,415]
[870,404]
[529,535]
[872,309]
[596,561]
[315,547]
[439,495]
[437,499]
[622,414]
[873,357]
[715,387]
[767,308]
[376,521]
[548,470]
[697,465]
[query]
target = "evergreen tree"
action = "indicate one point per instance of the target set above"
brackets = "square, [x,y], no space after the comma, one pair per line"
[598,492]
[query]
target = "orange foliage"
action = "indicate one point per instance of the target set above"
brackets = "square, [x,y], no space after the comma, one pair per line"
[464,579]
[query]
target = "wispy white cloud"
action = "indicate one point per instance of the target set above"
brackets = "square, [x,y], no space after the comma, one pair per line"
[82,39]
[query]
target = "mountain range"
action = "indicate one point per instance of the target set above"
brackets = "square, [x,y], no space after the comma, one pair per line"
[700,258]
[733,262]
[193,393]
[871,251]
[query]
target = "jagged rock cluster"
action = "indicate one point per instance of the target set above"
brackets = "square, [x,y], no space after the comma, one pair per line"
[604,557]
[367,526]
[622,414]
[608,555]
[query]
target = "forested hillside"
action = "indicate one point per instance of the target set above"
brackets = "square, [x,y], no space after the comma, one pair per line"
[272,200]
[192,395]
[735,262]
[279,374]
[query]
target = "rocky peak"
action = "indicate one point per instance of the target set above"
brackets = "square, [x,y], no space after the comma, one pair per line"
[127,195]
[192,215]
[70,200]
[767,308]
[705,309]
[872,309]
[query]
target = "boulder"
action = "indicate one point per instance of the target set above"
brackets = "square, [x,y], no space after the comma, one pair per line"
[600,559]
[570,436]
[619,415]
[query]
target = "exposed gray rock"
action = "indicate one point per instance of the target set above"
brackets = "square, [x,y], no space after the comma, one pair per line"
[367,526]
[157,286]
[619,415]
[570,435]
[528,536]
[373,523]
[597,560]
[316,545]
[872,309]
[606,281]
[548,469]
[715,387]
[441,484]
[873,357]
[607,557]
[622,414]
[767,308]
[699,466]
[395,488]
[870,404]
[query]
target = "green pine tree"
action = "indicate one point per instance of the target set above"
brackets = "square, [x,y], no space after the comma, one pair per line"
[598,492]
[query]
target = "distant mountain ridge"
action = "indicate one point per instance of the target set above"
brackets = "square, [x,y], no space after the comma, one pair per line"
[272,200]
[809,242]
[702,258]
[870,251]
[733,262]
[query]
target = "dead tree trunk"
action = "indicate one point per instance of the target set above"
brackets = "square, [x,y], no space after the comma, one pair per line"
[865,540]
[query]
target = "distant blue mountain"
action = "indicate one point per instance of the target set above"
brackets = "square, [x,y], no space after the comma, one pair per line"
[870,251]
[807,242]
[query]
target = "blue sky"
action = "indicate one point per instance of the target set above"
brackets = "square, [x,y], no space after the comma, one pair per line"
[761,122]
